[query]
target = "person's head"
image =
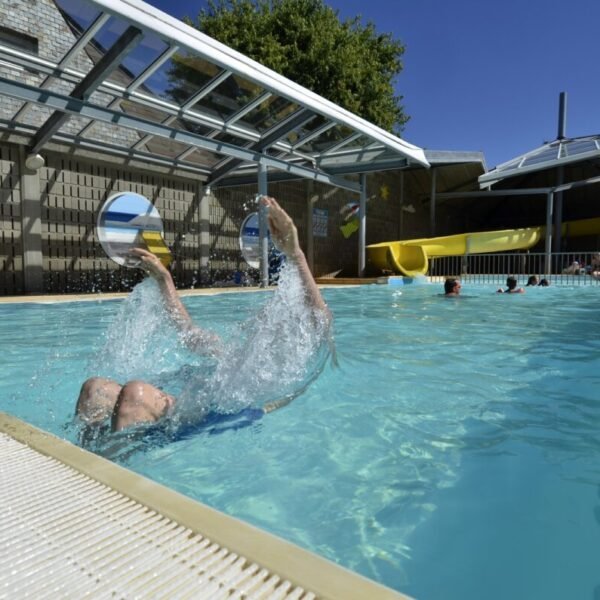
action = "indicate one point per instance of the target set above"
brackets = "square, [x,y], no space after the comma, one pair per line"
[511,282]
[533,280]
[452,286]
[544,282]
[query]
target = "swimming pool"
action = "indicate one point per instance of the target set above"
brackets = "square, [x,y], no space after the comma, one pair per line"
[454,453]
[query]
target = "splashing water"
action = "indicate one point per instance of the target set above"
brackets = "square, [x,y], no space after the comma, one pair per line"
[141,343]
[273,356]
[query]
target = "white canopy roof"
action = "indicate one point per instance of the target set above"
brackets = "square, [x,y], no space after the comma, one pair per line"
[133,80]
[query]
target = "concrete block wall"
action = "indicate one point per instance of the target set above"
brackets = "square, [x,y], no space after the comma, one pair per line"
[73,191]
[11,247]
[202,231]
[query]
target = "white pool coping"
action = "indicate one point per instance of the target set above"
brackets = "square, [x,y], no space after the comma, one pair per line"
[76,524]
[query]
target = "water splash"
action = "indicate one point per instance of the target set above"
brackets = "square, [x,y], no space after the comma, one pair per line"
[141,342]
[273,356]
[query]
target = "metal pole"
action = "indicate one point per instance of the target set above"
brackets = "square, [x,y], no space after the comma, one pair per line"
[562,115]
[432,208]
[362,225]
[562,127]
[558,213]
[310,239]
[401,233]
[548,246]
[263,227]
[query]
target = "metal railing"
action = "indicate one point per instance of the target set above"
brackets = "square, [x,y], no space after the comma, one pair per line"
[564,268]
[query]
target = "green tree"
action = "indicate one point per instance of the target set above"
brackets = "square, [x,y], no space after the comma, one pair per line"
[304,40]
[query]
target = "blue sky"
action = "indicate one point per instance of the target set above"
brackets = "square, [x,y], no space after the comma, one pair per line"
[485,75]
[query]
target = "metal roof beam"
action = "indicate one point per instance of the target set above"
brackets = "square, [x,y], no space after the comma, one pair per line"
[215,82]
[86,86]
[341,144]
[367,167]
[70,75]
[152,68]
[91,31]
[297,119]
[248,108]
[84,109]
[311,136]
[113,149]
[139,80]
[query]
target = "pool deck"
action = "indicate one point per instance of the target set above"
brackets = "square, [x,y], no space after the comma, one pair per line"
[75,524]
[51,298]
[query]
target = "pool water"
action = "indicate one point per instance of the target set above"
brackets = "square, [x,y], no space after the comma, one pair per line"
[453,453]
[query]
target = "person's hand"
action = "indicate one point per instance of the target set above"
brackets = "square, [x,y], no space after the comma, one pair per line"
[151,264]
[283,231]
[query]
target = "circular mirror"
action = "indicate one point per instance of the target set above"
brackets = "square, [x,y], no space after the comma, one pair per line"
[250,240]
[126,221]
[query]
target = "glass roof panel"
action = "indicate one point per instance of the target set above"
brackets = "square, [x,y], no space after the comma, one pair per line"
[329,138]
[35,115]
[547,156]
[579,147]
[182,77]
[79,15]
[204,158]
[360,142]
[111,134]
[105,39]
[270,112]
[228,98]
[304,130]
[143,54]
[144,112]
[166,148]
[230,139]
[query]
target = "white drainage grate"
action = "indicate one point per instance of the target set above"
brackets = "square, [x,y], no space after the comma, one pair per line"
[64,535]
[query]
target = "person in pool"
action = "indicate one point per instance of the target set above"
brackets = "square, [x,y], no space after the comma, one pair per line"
[452,287]
[138,402]
[511,287]
[533,280]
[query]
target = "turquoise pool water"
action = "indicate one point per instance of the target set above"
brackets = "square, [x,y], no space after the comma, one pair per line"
[454,453]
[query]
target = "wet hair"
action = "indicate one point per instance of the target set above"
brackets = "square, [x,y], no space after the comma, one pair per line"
[511,282]
[544,282]
[449,285]
[533,280]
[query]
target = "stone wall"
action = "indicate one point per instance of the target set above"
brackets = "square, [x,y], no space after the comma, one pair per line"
[41,22]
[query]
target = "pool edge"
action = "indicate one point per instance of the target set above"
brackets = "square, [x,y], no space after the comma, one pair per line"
[301,567]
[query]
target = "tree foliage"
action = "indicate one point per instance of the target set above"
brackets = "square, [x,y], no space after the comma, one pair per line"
[304,40]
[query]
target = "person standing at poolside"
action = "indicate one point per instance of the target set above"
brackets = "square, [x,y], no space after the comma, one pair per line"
[452,287]
[138,402]
[511,287]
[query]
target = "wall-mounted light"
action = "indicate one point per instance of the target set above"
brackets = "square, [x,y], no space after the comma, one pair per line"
[34,161]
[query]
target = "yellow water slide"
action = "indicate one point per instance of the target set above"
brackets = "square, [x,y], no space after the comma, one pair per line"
[411,257]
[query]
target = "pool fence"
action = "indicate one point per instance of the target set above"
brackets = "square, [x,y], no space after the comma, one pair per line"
[562,268]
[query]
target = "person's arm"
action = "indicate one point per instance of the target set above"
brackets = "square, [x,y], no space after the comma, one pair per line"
[195,338]
[285,238]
